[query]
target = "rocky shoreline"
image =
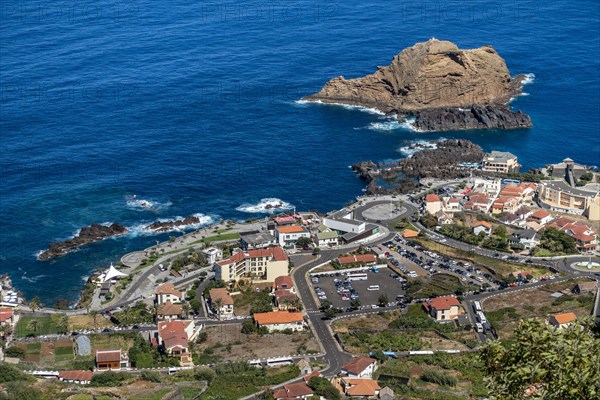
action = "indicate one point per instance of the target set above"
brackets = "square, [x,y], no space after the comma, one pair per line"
[166,226]
[88,234]
[403,176]
[439,85]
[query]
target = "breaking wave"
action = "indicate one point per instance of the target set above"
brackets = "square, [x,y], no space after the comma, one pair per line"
[139,204]
[142,229]
[268,205]
[368,110]
[419,145]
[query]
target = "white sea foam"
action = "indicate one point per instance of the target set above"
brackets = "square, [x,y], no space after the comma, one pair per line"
[419,145]
[346,106]
[139,204]
[33,279]
[268,205]
[142,230]
[529,78]
[390,125]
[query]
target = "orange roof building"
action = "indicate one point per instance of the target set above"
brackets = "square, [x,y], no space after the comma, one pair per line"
[280,320]
[358,259]
[444,308]
[283,282]
[294,391]
[562,320]
[169,310]
[360,387]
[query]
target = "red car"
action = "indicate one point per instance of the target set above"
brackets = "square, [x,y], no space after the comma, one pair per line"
[513,285]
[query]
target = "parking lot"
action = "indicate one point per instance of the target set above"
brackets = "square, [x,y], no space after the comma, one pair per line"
[340,288]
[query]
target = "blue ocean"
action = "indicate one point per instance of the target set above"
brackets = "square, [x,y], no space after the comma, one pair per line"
[192,106]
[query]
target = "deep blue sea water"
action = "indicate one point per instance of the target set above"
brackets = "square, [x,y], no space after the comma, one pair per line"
[191,105]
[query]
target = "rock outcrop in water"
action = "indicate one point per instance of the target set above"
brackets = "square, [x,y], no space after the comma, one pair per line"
[166,226]
[87,235]
[403,176]
[440,85]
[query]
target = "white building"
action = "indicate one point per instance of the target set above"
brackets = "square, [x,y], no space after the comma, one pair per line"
[289,234]
[344,223]
[167,293]
[433,204]
[280,321]
[222,296]
[360,367]
[212,254]
[327,238]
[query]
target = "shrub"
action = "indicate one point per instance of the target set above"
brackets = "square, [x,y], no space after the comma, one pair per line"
[14,351]
[17,391]
[150,376]
[109,378]
[439,378]
[9,373]
[204,374]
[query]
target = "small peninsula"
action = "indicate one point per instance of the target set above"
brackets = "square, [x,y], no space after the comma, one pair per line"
[87,235]
[439,87]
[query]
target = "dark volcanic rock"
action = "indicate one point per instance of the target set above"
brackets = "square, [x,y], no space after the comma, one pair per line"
[441,162]
[165,226]
[476,117]
[88,234]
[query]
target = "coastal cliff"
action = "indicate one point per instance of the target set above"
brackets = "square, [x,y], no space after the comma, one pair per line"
[439,85]
[87,235]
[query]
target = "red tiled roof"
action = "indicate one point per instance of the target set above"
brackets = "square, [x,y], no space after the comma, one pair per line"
[562,221]
[6,314]
[168,288]
[443,303]
[173,333]
[108,355]
[291,229]
[278,317]
[283,294]
[482,223]
[540,214]
[275,253]
[313,374]
[283,282]
[430,198]
[361,258]
[220,293]
[358,364]
[76,375]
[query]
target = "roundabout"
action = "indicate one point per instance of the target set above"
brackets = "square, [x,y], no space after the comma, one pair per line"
[589,266]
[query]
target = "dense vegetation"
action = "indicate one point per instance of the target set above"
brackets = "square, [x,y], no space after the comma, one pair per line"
[559,363]
[556,242]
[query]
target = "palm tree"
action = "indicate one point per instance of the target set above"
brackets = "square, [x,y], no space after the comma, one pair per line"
[35,304]
[185,308]
[33,326]
[218,303]
[94,315]
[63,323]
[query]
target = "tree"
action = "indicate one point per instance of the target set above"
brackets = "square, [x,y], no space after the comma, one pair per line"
[248,327]
[303,242]
[382,300]
[355,303]
[185,309]
[33,326]
[324,388]
[195,305]
[63,323]
[330,312]
[94,315]
[35,304]
[500,231]
[379,356]
[562,363]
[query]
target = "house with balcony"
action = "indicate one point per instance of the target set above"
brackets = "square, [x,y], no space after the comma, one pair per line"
[167,293]
[174,337]
[280,321]
[359,367]
[500,162]
[258,265]
[288,235]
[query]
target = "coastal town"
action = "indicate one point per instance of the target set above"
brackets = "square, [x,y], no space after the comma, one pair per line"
[371,301]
